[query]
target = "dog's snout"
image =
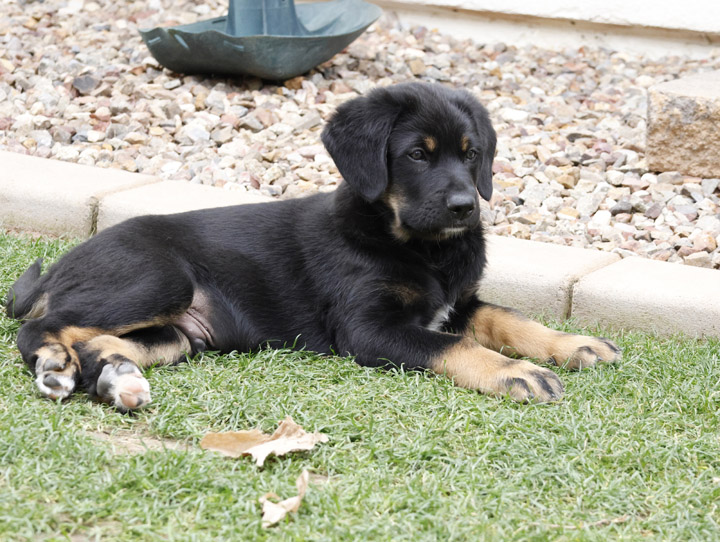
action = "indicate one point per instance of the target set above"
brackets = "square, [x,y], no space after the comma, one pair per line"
[461,205]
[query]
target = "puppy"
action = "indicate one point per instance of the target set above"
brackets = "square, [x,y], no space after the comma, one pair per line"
[385,269]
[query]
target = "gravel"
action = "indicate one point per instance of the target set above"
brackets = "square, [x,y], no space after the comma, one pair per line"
[78,84]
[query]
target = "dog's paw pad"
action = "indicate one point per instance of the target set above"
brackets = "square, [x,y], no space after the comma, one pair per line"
[55,385]
[123,386]
[131,391]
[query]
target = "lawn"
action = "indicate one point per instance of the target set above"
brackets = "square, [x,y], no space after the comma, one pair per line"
[631,453]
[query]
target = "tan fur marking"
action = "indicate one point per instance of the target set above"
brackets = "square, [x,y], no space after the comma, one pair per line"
[511,333]
[470,365]
[49,350]
[75,334]
[107,345]
[404,293]
[71,335]
[39,308]
[430,143]
[505,331]
[395,202]
[167,353]
[464,143]
[155,322]
[56,352]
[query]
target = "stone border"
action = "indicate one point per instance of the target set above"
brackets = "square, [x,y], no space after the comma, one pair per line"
[595,287]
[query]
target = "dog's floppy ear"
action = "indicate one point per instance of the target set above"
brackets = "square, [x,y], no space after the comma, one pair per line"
[484,174]
[484,180]
[357,138]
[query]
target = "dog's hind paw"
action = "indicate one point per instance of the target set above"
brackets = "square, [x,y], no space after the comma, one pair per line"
[56,371]
[124,386]
[55,385]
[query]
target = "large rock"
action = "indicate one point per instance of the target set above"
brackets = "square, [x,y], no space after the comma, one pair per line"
[684,125]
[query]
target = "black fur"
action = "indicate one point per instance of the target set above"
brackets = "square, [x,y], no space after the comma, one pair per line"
[363,271]
[23,293]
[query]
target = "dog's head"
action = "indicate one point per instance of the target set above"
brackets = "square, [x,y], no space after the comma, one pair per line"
[424,150]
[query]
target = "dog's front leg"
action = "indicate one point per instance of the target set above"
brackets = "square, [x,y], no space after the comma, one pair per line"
[473,366]
[508,331]
[467,363]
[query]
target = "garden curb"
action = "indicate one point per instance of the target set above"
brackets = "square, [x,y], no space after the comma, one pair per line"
[61,198]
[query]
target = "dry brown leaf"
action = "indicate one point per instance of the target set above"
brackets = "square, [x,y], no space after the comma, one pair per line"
[233,443]
[273,512]
[288,437]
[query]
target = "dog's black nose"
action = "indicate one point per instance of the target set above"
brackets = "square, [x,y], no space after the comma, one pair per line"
[461,205]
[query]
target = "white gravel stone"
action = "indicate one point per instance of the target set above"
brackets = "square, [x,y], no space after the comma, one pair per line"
[710,224]
[273,174]
[588,205]
[509,114]
[600,218]
[615,177]
[698,259]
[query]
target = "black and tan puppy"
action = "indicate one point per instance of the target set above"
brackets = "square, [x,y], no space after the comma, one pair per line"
[385,268]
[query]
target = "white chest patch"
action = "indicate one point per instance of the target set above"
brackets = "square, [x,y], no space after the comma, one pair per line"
[440,318]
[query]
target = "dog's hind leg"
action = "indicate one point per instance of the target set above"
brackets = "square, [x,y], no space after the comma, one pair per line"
[83,297]
[48,351]
[60,355]
[111,365]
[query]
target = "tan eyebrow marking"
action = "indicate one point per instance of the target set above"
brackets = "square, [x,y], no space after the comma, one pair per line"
[464,143]
[430,143]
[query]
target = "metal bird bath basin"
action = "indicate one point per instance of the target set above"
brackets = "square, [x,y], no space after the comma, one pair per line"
[272,39]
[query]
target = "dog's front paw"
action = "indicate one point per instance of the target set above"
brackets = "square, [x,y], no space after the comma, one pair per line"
[525,382]
[124,386]
[581,351]
[472,366]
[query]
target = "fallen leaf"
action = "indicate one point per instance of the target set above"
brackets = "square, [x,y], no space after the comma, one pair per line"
[288,437]
[233,443]
[273,512]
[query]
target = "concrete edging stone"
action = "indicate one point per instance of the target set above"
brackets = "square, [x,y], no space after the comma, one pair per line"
[63,198]
[167,197]
[55,197]
[537,278]
[659,297]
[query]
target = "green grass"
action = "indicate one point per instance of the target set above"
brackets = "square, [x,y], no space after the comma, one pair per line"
[631,453]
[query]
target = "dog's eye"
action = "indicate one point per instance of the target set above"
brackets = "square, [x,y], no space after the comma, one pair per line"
[471,154]
[417,154]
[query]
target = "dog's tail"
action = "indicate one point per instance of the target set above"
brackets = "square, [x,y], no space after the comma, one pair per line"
[25,292]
